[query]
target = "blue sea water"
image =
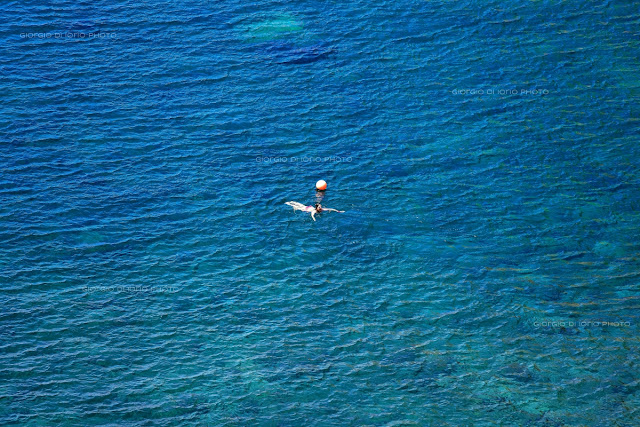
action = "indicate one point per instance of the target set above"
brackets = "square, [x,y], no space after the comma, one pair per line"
[485,272]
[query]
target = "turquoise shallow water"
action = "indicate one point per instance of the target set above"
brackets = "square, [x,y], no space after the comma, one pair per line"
[486,155]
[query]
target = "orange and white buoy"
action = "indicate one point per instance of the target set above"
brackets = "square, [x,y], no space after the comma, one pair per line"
[321,185]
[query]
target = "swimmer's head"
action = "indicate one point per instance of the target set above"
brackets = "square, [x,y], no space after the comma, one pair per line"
[318,207]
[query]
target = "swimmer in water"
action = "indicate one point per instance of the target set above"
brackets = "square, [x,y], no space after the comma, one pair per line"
[313,210]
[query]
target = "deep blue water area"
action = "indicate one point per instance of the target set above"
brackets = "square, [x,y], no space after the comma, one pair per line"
[486,270]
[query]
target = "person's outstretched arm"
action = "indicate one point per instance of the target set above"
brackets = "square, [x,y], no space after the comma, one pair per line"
[313,215]
[329,209]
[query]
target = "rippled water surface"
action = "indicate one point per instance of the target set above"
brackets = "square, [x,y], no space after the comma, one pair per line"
[485,271]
